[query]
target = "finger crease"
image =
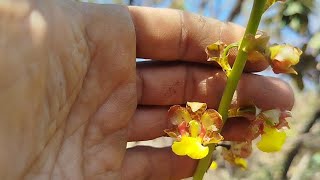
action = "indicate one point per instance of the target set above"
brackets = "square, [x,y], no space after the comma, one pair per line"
[141,88]
[171,166]
[183,40]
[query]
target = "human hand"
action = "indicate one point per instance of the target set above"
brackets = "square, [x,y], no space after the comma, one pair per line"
[72,94]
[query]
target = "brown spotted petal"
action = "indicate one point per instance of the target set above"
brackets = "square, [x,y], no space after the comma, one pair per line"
[196,109]
[282,121]
[233,156]
[212,137]
[241,149]
[227,155]
[255,129]
[249,112]
[173,132]
[178,114]
[211,120]
[215,50]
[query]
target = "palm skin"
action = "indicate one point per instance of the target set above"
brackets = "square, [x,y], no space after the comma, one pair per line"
[72,97]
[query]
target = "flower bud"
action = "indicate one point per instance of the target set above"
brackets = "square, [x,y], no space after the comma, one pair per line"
[282,57]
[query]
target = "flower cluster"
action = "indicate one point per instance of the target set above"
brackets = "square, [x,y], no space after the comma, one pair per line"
[280,57]
[284,56]
[237,153]
[269,124]
[194,127]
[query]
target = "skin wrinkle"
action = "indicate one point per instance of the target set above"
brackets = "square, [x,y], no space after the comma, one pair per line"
[205,41]
[144,162]
[124,122]
[76,129]
[51,175]
[140,86]
[149,158]
[55,119]
[99,146]
[92,46]
[183,40]
[134,134]
[102,128]
[93,113]
[171,166]
[64,129]
[80,125]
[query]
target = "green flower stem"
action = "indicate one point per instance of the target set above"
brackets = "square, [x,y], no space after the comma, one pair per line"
[233,79]
[226,53]
[227,49]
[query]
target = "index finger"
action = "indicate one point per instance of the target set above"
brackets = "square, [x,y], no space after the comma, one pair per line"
[167,35]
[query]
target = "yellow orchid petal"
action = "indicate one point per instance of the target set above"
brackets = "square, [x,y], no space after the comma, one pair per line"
[213,165]
[272,140]
[194,128]
[241,162]
[190,146]
[178,114]
[181,148]
[198,151]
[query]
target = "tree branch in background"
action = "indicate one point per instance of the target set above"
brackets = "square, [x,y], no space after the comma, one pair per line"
[236,10]
[203,5]
[131,2]
[294,151]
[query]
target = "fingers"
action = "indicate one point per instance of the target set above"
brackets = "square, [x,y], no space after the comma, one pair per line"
[178,83]
[166,34]
[149,122]
[165,85]
[156,163]
[236,129]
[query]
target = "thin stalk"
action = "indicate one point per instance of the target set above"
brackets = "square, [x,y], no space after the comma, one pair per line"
[233,79]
